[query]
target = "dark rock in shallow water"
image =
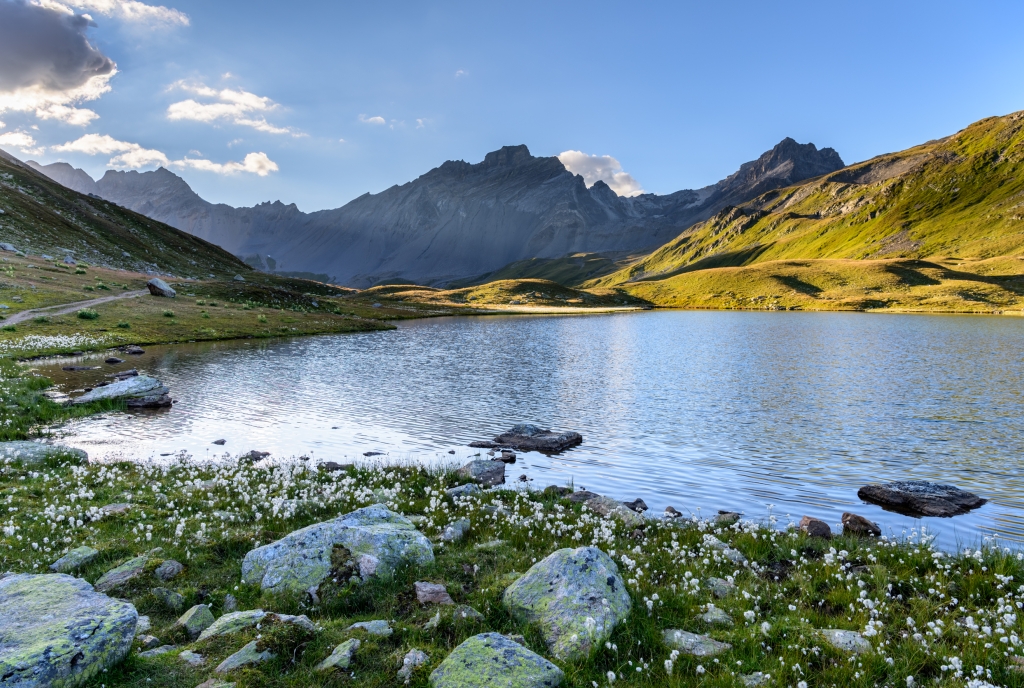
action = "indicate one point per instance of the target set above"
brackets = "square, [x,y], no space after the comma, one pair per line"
[220,442]
[75,369]
[114,360]
[921,498]
[134,350]
[331,466]
[254,456]
[532,438]
[858,525]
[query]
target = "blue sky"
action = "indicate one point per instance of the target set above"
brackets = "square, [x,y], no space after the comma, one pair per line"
[319,102]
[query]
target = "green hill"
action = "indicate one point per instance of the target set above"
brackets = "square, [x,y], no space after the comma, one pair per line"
[957,203]
[41,217]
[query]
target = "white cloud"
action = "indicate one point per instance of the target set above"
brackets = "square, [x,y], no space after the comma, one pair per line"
[421,123]
[601,167]
[78,117]
[255,163]
[133,156]
[22,141]
[125,10]
[461,72]
[231,105]
[372,120]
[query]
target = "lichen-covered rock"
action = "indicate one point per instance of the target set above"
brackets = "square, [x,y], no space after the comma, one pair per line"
[34,453]
[133,388]
[157,651]
[168,570]
[301,561]
[375,627]
[754,680]
[196,620]
[847,641]
[74,560]
[720,587]
[341,658]
[575,596]
[454,532]
[693,644]
[118,576]
[413,658]
[56,629]
[465,613]
[173,601]
[191,658]
[236,622]
[247,656]
[491,659]
[488,473]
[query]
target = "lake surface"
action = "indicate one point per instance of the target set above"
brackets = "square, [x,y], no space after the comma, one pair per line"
[698,410]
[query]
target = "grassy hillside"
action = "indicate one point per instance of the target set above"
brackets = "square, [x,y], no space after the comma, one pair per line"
[516,294]
[957,203]
[570,270]
[41,217]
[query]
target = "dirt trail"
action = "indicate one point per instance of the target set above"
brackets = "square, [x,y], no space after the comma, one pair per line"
[65,308]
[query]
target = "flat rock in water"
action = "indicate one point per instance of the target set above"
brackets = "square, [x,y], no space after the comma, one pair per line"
[136,391]
[526,437]
[491,659]
[575,596]
[341,658]
[858,525]
[921,498]
[247,656]
[488,473]
[694,644]
[74,560]
[157,287]
[56,629]
[120,575]
[378,539]
[847,641]
[31,453]
[113,360]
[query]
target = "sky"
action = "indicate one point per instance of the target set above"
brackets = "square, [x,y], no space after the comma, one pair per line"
[316,103]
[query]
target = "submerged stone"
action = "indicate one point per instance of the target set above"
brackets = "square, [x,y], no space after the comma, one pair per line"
[491,659]
[377,538]
[341,658]
[56,629]
[74,560]
[575,596]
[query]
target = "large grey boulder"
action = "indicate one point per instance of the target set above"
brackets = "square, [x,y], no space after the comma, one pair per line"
[921,498]
[378,539]
[525,437]
[491,659]
[31,453]
[56,629]
[138,392]
[157,287]
[575,596]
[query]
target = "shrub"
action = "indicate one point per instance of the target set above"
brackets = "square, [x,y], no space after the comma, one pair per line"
[262,318]
[168,314]
[204,314]
[200,302]
[41,319]
[10,328]
[103,287]
[89,289]
[88,314]
[79,271]
[124,325]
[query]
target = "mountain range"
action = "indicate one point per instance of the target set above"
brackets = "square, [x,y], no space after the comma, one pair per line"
[456,222]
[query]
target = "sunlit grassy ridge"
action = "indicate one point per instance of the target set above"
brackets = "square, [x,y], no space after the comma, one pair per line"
[957,202]
[948,619]
[511,292]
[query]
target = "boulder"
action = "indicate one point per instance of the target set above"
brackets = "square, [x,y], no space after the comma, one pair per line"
[191,658]
[610,508]
[488,473]
[432,593]
[134,350]
[716,617]
[464,612]
[638,505]
[113,360]
[413,658]
[157,651]
[454,532]
[236,622]
[74,560]
[32,453]
[491,659]
[465,490]
[4,246]
[138,392]
[847,641]
[341,658]
[582,496]
[575,596]
[694,644]
[724,519]
[196,620]
[815,527]
[526,437]
[754,680]
[375,627]
[157,287]
[120,575]
[247,656]
[55,629]
[171,600]
[377,538]
[921,498]
[148,642]
[238,278]
[858,525]
[720,587]
[168,570]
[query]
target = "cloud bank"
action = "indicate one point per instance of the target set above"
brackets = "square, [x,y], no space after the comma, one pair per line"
[601,167]
[47,64]
[234,106]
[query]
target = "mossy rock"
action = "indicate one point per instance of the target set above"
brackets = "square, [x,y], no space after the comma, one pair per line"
[491,659]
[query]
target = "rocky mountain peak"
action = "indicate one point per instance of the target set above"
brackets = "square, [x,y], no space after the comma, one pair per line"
[508,156]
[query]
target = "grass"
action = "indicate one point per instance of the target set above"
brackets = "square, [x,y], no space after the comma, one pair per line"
[941,618]
[517,294]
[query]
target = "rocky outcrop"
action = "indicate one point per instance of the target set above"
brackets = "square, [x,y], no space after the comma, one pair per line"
[136,392]
[377,539]
[525,437]
[921,498]
[491,659]
[55,629]
[34,453]
[575,596]
[157,287]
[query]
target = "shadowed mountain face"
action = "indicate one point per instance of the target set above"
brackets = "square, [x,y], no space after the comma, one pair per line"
[456,221]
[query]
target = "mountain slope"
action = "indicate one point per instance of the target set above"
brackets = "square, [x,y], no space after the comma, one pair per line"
[40,216]
[457,221]
[954,201]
